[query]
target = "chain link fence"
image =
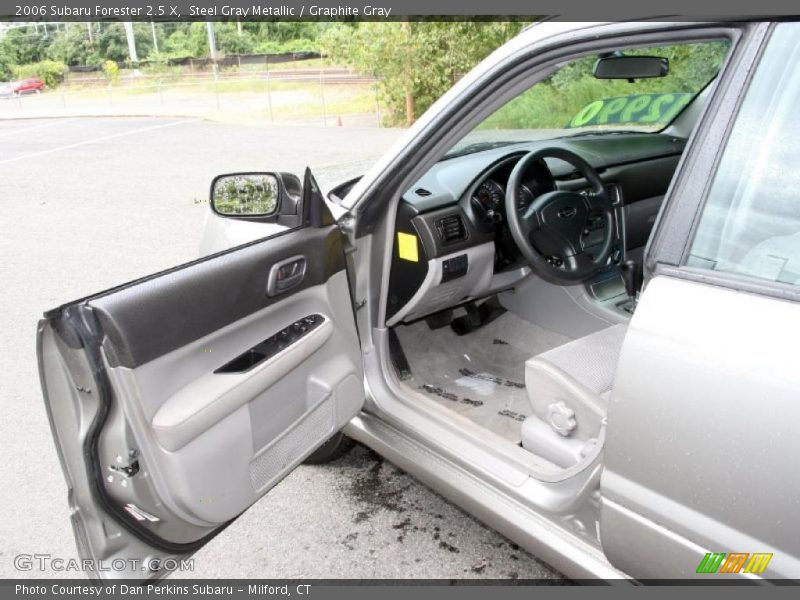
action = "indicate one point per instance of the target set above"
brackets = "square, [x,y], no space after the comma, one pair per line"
[328,96]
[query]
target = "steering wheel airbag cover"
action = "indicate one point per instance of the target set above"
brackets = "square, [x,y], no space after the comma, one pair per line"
[550,233]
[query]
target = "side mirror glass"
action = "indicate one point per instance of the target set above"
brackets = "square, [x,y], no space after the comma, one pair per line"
[631,67]
[246,195]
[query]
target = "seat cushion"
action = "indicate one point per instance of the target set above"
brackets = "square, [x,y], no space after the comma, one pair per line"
[569,386]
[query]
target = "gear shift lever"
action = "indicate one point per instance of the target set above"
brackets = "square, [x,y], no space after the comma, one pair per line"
[632,277]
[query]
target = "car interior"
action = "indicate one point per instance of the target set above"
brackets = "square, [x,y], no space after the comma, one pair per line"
[515,270]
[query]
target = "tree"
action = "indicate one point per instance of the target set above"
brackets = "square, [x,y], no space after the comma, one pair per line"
[423,59]
[22,45]
[112,44]
[284,31]
[176,44]
[197,42]
[229,41]
[72,46]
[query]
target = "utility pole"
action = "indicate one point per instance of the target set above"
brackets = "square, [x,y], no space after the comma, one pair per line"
[409,91]
[89,30]
[131,46]
[238,27]
[155,39]
[212,46]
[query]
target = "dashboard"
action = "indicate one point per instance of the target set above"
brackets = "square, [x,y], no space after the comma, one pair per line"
[455,214]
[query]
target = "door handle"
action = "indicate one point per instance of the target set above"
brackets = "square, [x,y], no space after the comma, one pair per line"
[285,275]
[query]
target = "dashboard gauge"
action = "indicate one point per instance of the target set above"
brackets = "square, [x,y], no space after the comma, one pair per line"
[538,181]
[489,197]
[524,198]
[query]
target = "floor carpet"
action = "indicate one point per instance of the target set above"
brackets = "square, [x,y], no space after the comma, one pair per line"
[480,375]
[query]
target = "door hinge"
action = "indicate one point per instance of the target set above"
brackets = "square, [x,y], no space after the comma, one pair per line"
[347,223]
[360,304]
[130,469]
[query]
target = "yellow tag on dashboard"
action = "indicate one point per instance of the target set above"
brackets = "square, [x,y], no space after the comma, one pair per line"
[407,246]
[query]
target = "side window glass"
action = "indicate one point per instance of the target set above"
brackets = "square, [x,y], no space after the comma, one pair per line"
[750,224]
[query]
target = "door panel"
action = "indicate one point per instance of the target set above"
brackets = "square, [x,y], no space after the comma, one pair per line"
[179,400]
[700,427]
[166,312]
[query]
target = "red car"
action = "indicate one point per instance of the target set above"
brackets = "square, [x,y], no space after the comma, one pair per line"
[27,86]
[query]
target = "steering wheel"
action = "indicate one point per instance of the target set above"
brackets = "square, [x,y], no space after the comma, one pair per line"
[551,233]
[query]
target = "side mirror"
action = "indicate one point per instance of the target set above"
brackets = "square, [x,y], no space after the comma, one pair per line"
[631,67]
[256,196]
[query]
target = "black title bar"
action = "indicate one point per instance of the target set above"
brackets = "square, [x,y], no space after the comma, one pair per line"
[326,10]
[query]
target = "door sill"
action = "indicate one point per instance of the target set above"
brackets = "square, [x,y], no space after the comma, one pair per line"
[549,539]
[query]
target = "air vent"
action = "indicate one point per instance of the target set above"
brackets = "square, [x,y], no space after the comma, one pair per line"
[422,192]
[451,229]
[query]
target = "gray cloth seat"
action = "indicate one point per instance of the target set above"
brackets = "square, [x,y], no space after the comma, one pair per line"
[569,388]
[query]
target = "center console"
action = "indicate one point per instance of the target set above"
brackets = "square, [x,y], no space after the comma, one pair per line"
[608,287]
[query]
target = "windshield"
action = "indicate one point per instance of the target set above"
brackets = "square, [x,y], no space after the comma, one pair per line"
[573,101]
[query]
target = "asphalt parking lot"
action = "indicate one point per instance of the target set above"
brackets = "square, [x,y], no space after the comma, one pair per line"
[90,203]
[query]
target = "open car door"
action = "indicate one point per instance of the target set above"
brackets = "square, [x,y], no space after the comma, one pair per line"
[178,400]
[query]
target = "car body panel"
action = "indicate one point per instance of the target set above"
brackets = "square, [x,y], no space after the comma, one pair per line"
[220,233]
[699,430]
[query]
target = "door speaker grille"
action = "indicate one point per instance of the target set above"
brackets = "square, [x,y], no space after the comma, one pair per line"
[289,449]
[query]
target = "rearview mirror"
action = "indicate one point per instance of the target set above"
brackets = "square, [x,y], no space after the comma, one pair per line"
[631,67]
[255,196]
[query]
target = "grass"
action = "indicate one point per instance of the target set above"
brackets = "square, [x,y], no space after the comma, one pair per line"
[247,99]
[175,74]
[168,79]
[255,85]
[166,87]
[307,101]
[296,99]
[313,63]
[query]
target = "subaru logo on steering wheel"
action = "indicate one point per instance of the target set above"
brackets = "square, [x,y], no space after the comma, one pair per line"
[567,212]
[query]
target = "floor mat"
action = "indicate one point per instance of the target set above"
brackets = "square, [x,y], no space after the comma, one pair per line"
[480,375]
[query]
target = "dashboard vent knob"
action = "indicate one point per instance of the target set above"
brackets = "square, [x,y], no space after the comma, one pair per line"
[451,229]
